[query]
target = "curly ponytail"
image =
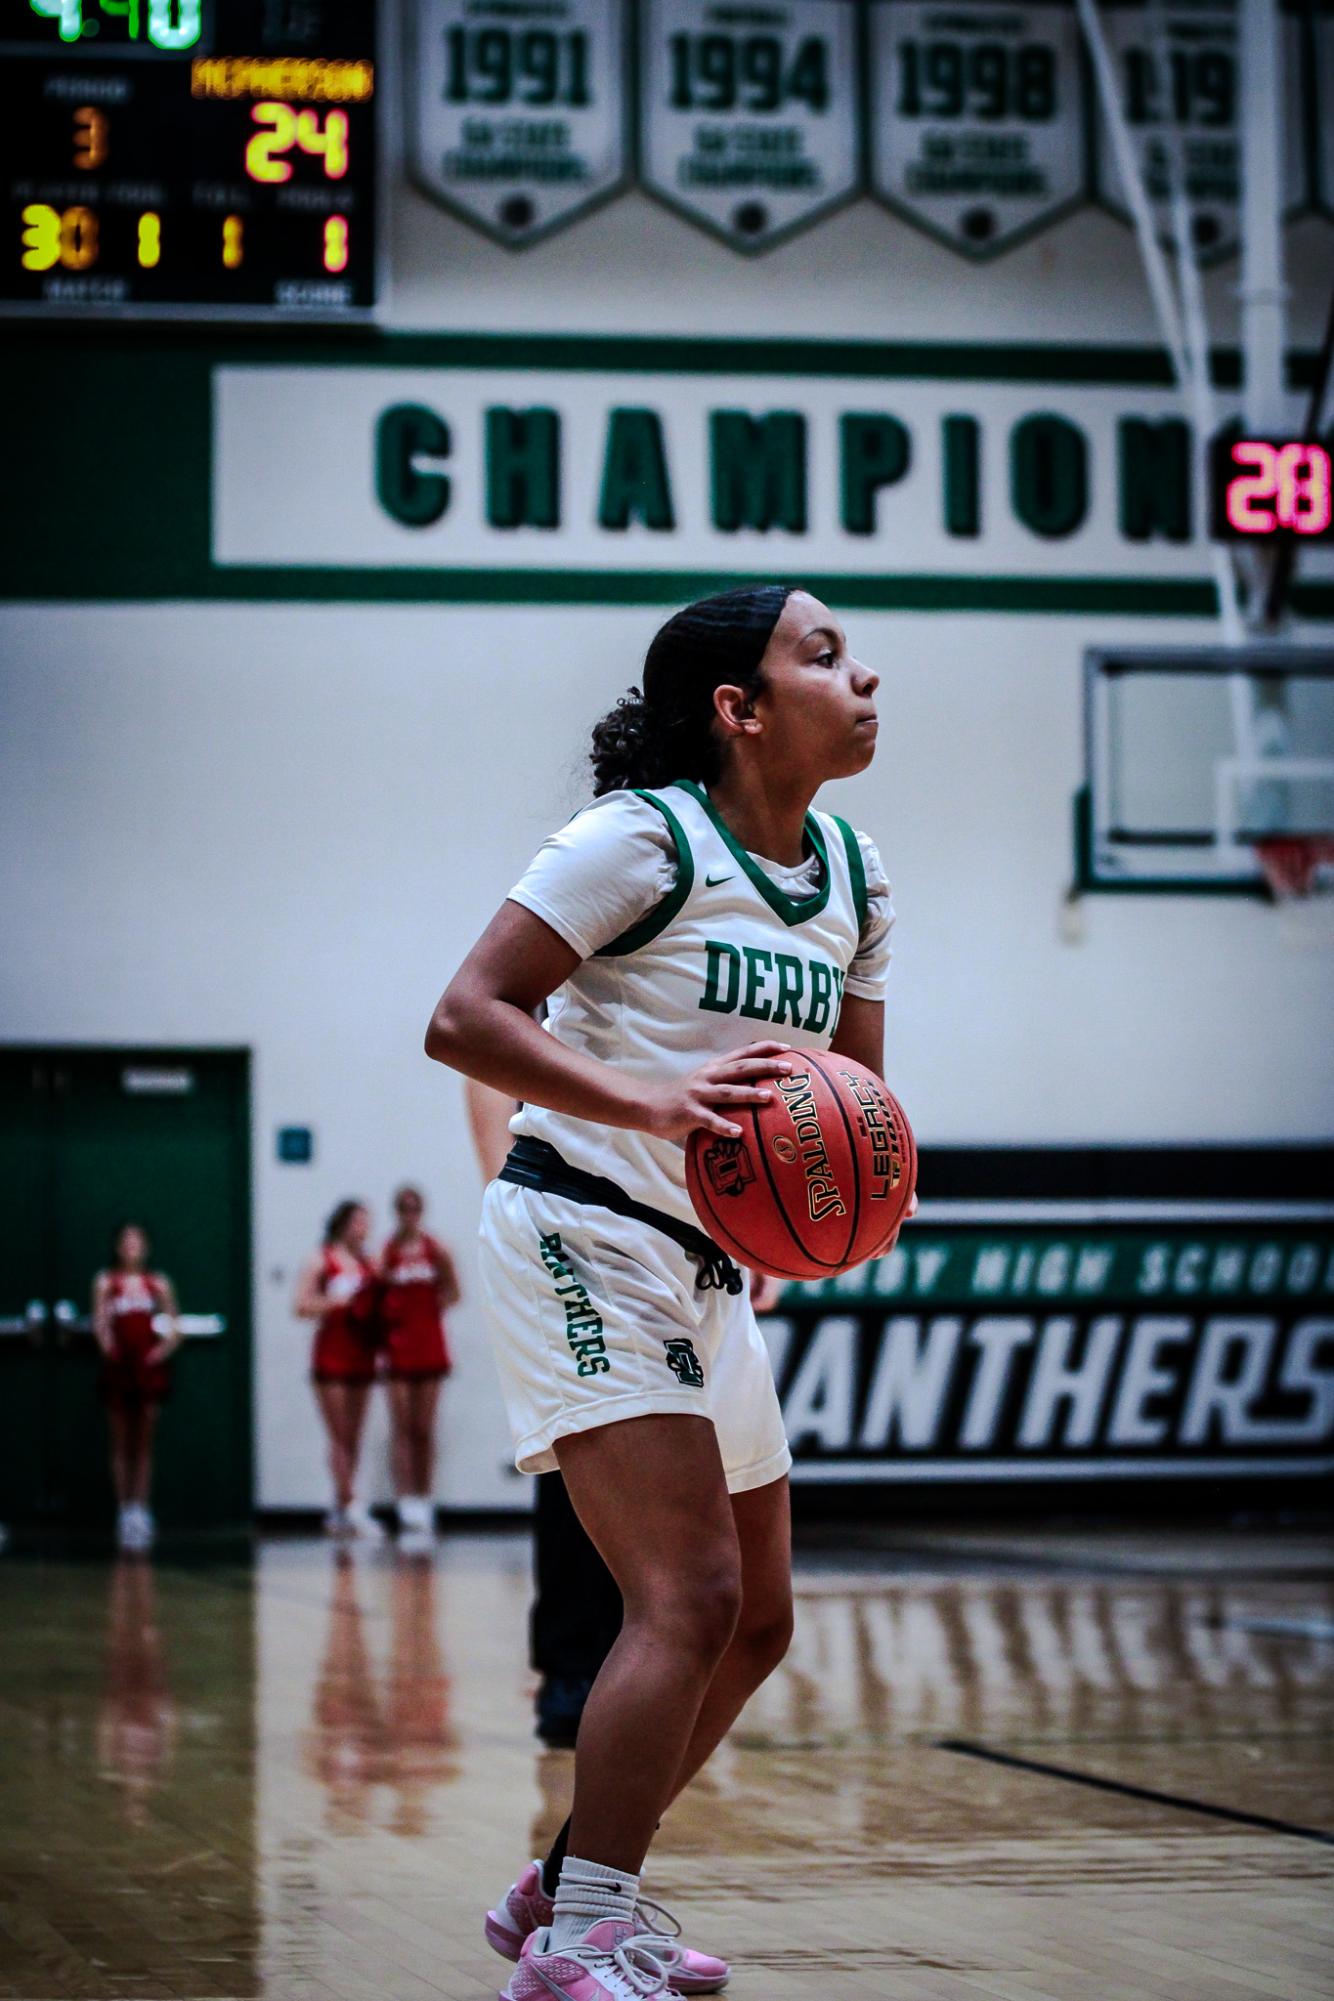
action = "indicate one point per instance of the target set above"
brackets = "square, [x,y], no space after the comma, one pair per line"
[666,731]
[627,749]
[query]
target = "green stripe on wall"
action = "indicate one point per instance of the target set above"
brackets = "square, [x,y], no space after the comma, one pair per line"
[1056,363]
[1128,597]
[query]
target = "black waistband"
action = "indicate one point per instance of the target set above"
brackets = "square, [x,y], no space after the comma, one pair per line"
[533,1163]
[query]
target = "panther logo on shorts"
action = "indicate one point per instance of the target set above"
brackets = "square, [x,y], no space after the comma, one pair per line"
[685,1364]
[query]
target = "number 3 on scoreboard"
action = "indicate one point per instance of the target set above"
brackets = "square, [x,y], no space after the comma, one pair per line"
[281,127]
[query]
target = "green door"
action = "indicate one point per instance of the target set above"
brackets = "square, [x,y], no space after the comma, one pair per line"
[90,1139]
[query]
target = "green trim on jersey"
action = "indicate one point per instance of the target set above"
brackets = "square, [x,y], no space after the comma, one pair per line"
[791,909]
[662,913]
[856,869]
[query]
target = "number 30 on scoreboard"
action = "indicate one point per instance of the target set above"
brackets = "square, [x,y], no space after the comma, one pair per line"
[1271,490]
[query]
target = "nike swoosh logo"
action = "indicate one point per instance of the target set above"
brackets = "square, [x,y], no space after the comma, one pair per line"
[712,881]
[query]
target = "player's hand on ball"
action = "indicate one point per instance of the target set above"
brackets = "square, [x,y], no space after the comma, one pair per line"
[674,1111]
[765,1291]
[908,1215]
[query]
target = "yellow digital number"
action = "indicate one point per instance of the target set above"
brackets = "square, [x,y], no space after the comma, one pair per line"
[331,140]
[41,237]
[78,239]
[335,243]
[90,138]
[50,238]
[277,134]
[150,240]
[233,243]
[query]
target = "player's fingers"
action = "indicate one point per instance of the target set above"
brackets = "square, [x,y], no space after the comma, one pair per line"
[753,1066]
[736,1094]
[713,1122]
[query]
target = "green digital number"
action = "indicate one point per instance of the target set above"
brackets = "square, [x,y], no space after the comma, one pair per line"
[715,72]
[172,24]
[989,81]
[68,13]
[536,67]
[1199,88]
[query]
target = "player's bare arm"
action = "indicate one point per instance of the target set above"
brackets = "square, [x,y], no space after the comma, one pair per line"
[483,1025]
[861,1032]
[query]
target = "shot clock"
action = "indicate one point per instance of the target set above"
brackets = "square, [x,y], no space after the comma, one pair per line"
[189,156]
[1272,490]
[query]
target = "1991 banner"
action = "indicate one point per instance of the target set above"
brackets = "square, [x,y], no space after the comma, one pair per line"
[519,110]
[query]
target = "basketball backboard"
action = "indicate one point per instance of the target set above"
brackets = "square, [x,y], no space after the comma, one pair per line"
[1192,755]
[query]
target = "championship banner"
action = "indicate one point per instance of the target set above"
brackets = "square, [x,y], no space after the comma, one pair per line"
[1178,67]
[749,115]
[518,110]
[1055,1340]
[977,117]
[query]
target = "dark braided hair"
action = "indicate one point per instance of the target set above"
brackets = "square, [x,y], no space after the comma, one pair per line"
[666,731]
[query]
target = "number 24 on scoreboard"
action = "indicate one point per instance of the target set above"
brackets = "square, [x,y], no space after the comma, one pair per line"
[281,127]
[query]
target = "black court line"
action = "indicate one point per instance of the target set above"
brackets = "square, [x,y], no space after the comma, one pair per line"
[1233,1814]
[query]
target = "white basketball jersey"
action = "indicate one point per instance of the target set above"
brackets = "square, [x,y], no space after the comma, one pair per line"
[727,958]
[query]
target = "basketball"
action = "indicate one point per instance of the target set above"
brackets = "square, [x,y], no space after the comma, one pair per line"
[820,1178]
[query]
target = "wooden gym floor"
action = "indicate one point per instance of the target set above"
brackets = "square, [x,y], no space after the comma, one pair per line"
[994,1768]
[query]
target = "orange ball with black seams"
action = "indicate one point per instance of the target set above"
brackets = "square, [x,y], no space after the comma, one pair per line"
[818,1181]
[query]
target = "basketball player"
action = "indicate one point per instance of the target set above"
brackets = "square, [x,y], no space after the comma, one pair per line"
[337,1289]
[628,1349]
[134,1325]
[417,1284]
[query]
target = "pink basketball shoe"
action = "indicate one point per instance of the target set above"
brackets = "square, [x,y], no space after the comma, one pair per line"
[526,1909]
[613,1961]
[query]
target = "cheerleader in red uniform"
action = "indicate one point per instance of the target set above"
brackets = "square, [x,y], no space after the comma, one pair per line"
[134,1323]
[417,1283]
[337,1289]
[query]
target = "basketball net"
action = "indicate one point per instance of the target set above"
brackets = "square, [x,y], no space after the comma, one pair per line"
[1299,869]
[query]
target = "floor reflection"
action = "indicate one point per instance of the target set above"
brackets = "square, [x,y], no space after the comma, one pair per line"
[136,1727]
[1041,1654]
[380,1740]
[304,1779]
[128,1860]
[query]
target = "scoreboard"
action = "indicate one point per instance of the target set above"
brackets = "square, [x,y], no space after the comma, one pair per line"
[189,156]
[1272,490]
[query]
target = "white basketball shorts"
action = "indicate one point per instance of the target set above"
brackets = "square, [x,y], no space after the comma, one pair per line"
[596,1318]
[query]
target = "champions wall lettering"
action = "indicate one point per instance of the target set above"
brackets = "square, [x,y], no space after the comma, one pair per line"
[460,469]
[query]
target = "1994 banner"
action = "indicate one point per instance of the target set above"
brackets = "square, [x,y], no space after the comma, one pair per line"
[748,118]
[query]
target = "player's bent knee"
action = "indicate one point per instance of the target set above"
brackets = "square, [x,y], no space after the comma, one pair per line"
[700,1609]
[766,1635]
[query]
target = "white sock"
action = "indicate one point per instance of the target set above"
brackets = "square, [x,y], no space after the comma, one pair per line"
[586,1892]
